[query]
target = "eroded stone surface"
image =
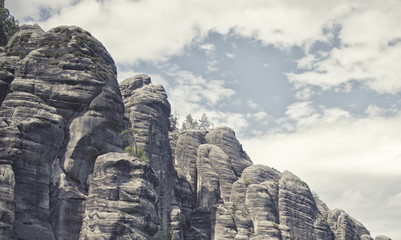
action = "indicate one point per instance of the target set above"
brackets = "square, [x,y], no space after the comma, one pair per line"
[148,111]
[63,109]
[122,199]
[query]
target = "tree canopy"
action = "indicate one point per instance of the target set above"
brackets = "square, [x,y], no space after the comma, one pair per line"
[192,124]
[8,24]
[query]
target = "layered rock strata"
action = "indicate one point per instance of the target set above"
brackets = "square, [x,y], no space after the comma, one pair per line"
[63,174]
[121,199]
[148,112]
[62,108]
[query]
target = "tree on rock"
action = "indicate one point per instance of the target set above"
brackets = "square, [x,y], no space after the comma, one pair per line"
[130,134]
[189,123]
[205,123]
[8,25]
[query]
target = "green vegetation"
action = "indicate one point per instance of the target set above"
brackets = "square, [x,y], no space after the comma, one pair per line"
[234,209]
[165,235]
[205,123]
[14,53]
[8,25]
[49,54]
[189,123]
[140,153]
[246,181]
[192,124]
[130,134]
[173,122]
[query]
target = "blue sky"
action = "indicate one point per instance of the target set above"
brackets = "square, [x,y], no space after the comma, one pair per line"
[310,86]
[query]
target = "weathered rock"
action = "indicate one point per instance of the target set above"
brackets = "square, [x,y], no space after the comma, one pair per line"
[63,109]
[186,155]
[63,176]
[382,237]
[215,175]
[224,138]
[296,206]
[346,227]
[122,199]
[148,110]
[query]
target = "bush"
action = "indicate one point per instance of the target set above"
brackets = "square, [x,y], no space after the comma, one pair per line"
[8,26]
[246,181]
[141,154]
[166,235]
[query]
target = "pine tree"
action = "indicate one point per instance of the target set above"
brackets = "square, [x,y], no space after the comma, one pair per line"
[189,123]
[204,123]
[173,122]
[8,24]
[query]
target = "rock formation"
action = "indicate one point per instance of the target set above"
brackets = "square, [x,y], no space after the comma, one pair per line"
[63,173]
[121,199]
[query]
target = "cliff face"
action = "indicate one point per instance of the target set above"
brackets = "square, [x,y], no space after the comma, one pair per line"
[63,173]
[61,109]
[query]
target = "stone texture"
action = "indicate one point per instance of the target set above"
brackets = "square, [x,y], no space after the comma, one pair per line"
[63,174]
[121,199]
[345,227]
[62,110]
[382,237]
[224,138]
[148,111]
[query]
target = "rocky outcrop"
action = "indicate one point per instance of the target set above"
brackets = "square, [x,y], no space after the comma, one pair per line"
[63,173]
[382,237]
[121,199]
[148,111]
[62,109]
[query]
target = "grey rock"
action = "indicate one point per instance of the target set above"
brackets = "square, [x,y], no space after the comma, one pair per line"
[122,199]
[224,138]
[62,110]
[346,227]
[223,223]
[148,111]
[186,155]
[382,237]
[296,206]
[63,174]
[215,175]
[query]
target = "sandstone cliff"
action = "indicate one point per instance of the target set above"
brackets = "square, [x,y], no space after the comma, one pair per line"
[63,173]
[61,109]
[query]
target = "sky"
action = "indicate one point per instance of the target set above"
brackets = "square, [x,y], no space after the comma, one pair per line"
[310,86]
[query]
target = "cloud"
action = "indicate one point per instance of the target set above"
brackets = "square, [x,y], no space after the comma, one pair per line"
[153,30]
[34,9]
[395,201]
[230,55]
[352,162]
[208,48]
[368,51]
[363,35]
[252,104]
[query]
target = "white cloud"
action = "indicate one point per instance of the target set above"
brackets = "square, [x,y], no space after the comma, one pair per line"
[354,197]
[364,55]
[259,116]
[300,110]
[208,48]
[304,93]
[395,201]
[32,8]
[333,141]
[154,30]
[252,104]
[230,55]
